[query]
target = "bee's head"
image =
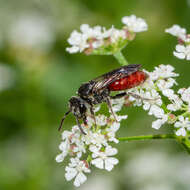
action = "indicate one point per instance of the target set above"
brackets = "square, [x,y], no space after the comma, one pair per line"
[77,106]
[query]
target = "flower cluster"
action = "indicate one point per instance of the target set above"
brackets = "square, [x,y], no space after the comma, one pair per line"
[156,95]
[94,148]
[150,93]
[183,47]
[99,40]
[91,149]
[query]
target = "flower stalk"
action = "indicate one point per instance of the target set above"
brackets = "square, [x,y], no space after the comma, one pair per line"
[184,142]
[148,137]
[120,58]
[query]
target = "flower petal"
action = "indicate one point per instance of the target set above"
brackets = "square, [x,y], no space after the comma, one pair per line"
[98,162]
[110,162]
[70,173]
[180,48]
[59,158]
[80,179]
[179,55]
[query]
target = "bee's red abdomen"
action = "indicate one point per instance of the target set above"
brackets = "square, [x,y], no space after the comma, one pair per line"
[128,82]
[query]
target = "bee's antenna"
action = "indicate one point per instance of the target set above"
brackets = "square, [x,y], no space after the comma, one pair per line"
[62,120]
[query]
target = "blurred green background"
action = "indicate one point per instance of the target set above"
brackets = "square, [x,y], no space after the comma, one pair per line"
[37,77]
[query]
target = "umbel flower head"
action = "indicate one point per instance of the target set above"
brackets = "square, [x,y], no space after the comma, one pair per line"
[95,149]
[99,40]
[155,95]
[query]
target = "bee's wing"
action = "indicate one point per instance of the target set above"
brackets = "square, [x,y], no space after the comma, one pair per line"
[106,79]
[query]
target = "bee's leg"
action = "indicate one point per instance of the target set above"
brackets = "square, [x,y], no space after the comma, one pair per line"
[136,96]
[62,120]
[93,114]
[78,123]
[110,107]
[117,96]
[85,120]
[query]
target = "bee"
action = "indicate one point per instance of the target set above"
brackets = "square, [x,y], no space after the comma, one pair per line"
[98,90]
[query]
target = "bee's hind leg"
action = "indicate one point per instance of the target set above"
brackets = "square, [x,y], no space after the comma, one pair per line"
[108,101]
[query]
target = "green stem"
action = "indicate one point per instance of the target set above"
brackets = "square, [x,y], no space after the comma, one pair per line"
[120,58]
[148,137]
[185,143]
[186,147]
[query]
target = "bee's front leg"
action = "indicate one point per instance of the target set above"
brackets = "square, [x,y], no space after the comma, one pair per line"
[79,125]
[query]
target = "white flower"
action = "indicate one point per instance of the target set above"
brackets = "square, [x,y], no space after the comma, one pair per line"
[176,103]
[101,120]
[66,134]
[181,132]
[156,111]
[121,117]
[154,98]
[95,138]
[163,71]
[76,169]
[182,124]
[79,148]
[78,42]
[114,34]
[95,32]
[168,93]
[185,94]
[117,104]
[148,83]
[60,157]
[71,144]
[73,49]
[177,31]
[64,147]
[111,132]
[87,38]
[98,139]
[159,122]
[102,159]
[182,52]
[165,84]
[135,24]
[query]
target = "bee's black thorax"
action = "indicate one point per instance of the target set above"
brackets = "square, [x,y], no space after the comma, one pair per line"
[92,98]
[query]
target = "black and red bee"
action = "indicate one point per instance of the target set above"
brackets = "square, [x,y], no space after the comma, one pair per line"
[98,90]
